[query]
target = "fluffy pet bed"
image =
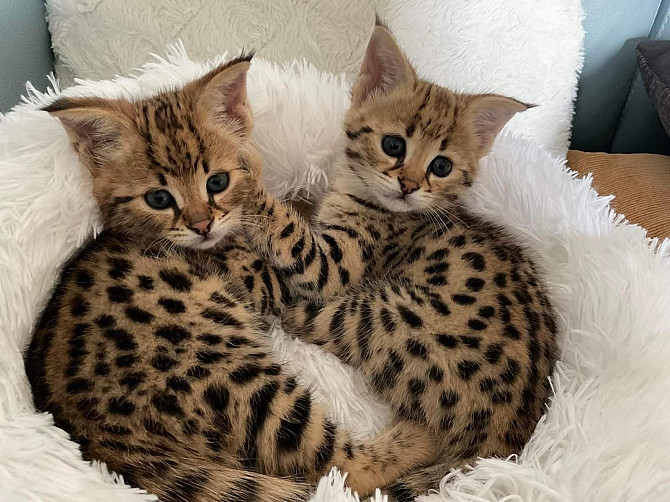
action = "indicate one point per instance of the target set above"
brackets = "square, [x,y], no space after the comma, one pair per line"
[528,49]
[606,436]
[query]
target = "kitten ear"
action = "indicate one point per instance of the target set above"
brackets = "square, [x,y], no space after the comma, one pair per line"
[95,127]
[224,97]
[488,114]
[384,67]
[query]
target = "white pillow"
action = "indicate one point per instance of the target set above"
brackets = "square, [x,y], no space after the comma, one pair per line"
[527,49]
[606,436]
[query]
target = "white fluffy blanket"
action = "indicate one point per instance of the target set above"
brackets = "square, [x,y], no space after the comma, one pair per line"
[606,436]
[527,49]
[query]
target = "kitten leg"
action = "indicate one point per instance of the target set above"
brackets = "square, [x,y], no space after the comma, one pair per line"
[314,264]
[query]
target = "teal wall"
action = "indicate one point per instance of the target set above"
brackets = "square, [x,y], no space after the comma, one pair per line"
[25,49]
[613,112]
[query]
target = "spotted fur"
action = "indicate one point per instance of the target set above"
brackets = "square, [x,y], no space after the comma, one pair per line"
[444,313]
[152,351]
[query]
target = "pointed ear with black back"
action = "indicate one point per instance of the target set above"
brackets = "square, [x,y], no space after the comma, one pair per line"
[224,96]
[488,114]
[96,127]
[384,67]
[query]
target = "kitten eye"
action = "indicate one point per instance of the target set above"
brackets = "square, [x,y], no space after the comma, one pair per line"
[393,146]
[440,166]
[159,199]
[217,183]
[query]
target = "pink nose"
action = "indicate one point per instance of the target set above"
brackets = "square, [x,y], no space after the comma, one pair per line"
[408,186]
[201,227]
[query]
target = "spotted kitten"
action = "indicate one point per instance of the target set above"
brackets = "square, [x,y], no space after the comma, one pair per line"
[443,312]
[154,357]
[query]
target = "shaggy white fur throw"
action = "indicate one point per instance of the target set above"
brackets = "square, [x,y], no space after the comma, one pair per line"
[606,436]
[527,49]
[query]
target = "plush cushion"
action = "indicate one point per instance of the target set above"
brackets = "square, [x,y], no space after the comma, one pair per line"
[526,49]
[654,59]
[605,436]
[640,184]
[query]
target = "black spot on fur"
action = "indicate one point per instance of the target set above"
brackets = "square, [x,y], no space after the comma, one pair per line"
[176,280]
[416,348]
[139,315]
[105,321]
[501,397]
[440,254]
[172,305]
[84,279]
[120,268]
[221,317]
[209,356]
[387,320]
[487,384]
[168,404]
[510,331]
[210,339]
[178,384]
[435,374]
[292,428]
[163,362]
[173,333]
[122,339]
[437,268]
[470,341]
[475,260]
[79,306]
[146,283]
[197,372]
[133,379]
[120,406]
[119,294]
[327,448]
[416,387]
[290,385]
[500,280]
[439,306]
[475,284]
[126,360]
[477,325]
[468,368]
[245,374]
[486,312]
[493,353]
[463,299]
[187,487]
[448,341]
[437,280]
[259,404]
[217,397]
[102,369]
[457,241]
[510,372]
[448,399]
[410,318]
[78,385]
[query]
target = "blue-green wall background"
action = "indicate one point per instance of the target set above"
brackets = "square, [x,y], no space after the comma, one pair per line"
[25,49]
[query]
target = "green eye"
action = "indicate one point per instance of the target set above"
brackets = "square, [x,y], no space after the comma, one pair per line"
[440,166]
[217,183]
[159,199]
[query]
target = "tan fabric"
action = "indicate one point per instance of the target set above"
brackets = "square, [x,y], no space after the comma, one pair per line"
[639,182]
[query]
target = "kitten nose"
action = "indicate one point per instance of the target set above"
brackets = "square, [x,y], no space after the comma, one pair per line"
[408,186]
[200,224]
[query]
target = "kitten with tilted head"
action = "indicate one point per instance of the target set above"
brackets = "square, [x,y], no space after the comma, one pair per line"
[444,313]
[151,351]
